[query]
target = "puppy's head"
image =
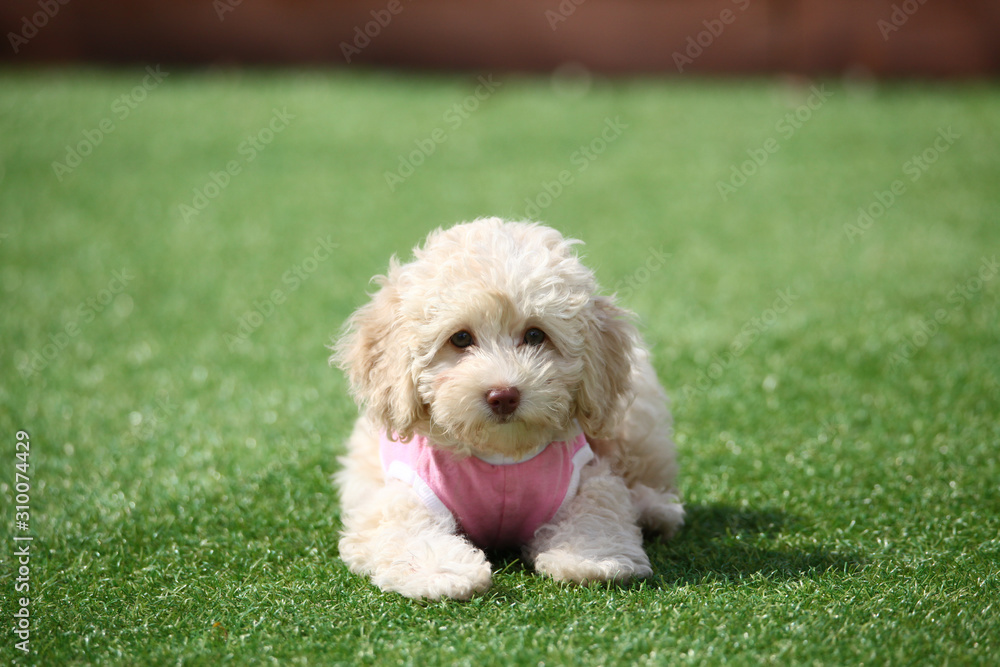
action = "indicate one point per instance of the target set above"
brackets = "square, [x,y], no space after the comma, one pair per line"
[493,340]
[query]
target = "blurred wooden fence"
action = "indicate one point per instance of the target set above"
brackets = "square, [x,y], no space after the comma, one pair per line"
[924,38]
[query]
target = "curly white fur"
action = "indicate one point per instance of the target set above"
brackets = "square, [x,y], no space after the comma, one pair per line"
[496,280]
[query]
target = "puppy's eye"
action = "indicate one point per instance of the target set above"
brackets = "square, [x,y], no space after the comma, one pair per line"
[534,336]
[462,339]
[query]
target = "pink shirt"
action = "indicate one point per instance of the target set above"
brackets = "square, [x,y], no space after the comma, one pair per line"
[498,504]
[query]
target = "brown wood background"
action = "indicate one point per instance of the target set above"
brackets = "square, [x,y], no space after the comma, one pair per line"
[939,38]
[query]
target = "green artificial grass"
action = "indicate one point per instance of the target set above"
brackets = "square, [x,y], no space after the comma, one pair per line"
[834,365]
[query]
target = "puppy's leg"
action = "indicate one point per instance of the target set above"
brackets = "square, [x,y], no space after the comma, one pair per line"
[659,511]
[391,536]
[643,452]
[406,548]
[595,537]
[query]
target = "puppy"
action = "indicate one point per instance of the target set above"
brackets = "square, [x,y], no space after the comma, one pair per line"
[506,404]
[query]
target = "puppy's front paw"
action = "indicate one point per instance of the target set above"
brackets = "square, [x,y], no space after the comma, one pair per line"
[448,568]
[563,565]
[456,582]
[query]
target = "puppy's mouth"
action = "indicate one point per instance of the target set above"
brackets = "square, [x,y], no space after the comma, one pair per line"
[504,419]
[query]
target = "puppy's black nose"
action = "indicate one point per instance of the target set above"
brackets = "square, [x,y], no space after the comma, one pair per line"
[503,402]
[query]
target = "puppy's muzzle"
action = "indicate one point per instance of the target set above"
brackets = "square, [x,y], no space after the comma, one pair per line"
[503,402]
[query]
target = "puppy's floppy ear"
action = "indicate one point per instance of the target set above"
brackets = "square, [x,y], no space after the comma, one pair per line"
[606,388]
[374,353]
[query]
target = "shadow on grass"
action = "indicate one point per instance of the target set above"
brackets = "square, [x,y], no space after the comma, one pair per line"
[725,543]
[719,543]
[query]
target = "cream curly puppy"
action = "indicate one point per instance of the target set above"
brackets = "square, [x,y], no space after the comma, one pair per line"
[506,404]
